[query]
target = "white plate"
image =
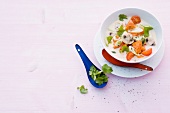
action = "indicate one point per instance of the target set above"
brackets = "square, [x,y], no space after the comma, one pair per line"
[127,71]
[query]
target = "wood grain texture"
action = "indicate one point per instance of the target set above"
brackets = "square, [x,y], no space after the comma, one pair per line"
[40,68]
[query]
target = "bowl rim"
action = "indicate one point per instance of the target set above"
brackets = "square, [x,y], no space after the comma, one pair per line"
[138,61]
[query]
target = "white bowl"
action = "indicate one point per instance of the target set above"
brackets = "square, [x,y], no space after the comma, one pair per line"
[146,16]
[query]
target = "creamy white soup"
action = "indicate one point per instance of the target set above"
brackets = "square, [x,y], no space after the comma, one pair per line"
[130,38]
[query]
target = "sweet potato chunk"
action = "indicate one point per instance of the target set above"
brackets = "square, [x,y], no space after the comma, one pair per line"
[136,19]
[129,56]
[147,52]
[130,25]
[137,46]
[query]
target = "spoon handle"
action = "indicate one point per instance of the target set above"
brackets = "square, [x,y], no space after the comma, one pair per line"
[85,59]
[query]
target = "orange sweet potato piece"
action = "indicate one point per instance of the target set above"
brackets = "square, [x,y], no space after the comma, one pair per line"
[147,52]
[129,56]
[130,25]
[143,48]
[116,38]
[137,33]
[136,19]
[137,46]
[115,47]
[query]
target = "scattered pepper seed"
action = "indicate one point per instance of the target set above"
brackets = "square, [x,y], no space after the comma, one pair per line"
[146,40]
[153,44]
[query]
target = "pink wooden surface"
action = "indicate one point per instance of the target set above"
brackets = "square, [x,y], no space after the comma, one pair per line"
[40,68]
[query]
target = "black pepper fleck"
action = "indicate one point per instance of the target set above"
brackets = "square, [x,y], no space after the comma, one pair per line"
[146,40]
[153,44]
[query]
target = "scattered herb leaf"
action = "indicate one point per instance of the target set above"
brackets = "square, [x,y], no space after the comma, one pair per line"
[82,89]
[122,16]
[120,31]
[124,48]
[146,30]
[107,69]
[109,38]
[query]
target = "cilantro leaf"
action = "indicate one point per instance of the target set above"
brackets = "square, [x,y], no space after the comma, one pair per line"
[122,16]
[105,78]
[94,72]
[124,48]
[120,30]
[98,76]
[107,69]
[82,89]
[109,38]
[99,80]
[146,30]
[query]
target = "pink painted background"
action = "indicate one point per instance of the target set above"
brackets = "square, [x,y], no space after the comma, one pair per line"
[40,68]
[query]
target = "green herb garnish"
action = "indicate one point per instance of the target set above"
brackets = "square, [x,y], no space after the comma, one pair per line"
[100,76]
[93,72]
[100,80]
[122,16]
[113,51]
[120,31]
[109,38]
[82,89]
[143,41]
[146,30]
[124,48]
[107,69]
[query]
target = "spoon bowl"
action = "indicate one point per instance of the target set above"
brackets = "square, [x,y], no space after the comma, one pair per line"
[88,64]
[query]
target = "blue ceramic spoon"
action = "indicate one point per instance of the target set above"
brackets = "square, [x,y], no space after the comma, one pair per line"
[88,64]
